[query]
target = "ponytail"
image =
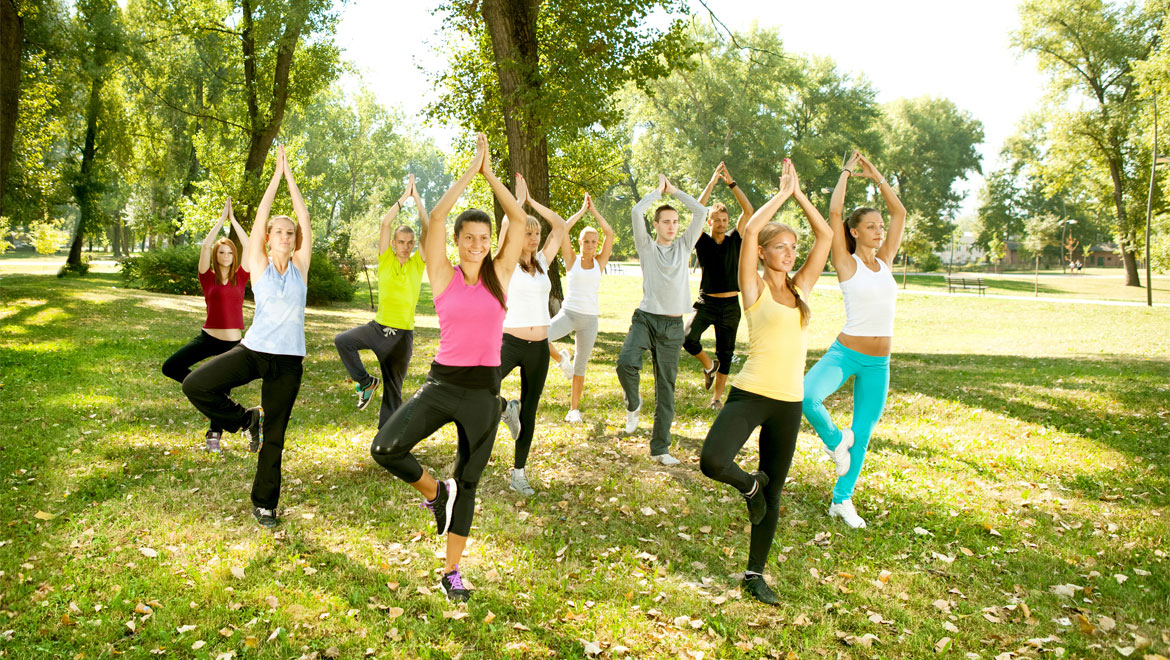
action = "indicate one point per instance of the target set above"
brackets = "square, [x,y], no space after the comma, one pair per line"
[805,312]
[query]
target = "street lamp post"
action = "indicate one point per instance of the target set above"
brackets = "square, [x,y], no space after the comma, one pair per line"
[1155,161]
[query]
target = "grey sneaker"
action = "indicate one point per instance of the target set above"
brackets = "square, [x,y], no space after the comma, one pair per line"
[709,375]
[842,460]
[520,484]
[511,418]
[265,517]
[665,459]
[213,441]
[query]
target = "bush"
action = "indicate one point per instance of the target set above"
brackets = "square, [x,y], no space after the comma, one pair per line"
[175,270]
[170,270]
[327,281]
[79,269]
[930,263]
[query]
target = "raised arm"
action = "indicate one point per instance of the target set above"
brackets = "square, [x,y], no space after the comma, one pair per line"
[810,273]
[512,242]
[745,207]
[749,254]
[209,240]
[552,242]
[889,248]
[386,232]
[706,194]
[843,261]
[245,242]
[304,253]
[698,215]
[642,238]
[258,260]
[567,239]
[607,232]
[421,208]
[439,268]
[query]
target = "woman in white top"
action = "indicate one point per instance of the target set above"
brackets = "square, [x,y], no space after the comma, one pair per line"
[580,309]
[526,329]
[862,260]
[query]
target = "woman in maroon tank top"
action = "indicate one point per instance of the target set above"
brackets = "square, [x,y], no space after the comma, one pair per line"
[223,281]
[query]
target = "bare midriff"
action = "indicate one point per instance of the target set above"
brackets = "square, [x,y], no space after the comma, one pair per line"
[529,333]
[875,346]
[225,334]
[726,294]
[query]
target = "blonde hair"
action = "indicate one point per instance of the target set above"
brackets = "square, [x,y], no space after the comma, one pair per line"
[717,207]
[769,233]
[533,266]
[231,276]
[268,230]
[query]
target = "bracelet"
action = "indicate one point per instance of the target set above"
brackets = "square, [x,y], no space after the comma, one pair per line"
[847,170]
[732,184]
[882,182]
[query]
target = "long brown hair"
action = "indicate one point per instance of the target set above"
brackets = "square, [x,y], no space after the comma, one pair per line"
[769,233]
[231,275]
[487,273]
[852,221]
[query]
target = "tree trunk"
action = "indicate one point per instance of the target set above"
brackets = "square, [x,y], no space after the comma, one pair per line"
[1124,235]
[11,45]
[263,130]
[84,189]
[512,27]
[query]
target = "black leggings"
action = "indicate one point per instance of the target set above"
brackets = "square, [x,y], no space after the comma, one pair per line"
[393,348]
[779,423]
[178,366]
[532,358]
[208,386]
[476,414]
[723,313]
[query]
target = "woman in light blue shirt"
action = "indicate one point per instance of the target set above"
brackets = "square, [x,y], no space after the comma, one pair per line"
[273,347]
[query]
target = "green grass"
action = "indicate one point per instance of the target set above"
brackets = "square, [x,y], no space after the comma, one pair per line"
[1044,422]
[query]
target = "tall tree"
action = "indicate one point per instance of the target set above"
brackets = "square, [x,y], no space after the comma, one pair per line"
[551,71]
[1088,49]
[929,146]
[11,50]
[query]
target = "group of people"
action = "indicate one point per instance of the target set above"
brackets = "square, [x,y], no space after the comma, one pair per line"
[494,317]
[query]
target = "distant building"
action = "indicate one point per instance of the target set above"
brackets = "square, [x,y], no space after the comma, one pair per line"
[1101,256]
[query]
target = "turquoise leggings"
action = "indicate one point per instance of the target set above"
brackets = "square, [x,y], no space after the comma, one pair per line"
[870,385]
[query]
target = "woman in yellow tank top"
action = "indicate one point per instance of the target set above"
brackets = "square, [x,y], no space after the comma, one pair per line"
[769,389]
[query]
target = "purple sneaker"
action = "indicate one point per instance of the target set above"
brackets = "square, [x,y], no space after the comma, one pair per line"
[442,505]
[453,587]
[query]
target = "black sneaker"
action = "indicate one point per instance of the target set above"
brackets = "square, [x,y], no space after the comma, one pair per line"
[265,517]
[754,585]
[213,441]
[442,505]
[453,588]
[709,375]
[756,505]
[255,429]
[366,394]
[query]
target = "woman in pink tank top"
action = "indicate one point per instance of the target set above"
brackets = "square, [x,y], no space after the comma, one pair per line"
[464,382]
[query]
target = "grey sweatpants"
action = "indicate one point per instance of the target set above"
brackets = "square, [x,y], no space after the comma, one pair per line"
[584,329]
[663,337]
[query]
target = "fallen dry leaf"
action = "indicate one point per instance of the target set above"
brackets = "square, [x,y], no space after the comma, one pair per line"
[592,648]
[1084,624]
[44,515]
[395,612]
[184,629]
[251,641]
[491,616]
[237,572]
[1069,590]
[148,552]
[943,606]
[198,645]
[455,614]
[942,645]
[1106,624]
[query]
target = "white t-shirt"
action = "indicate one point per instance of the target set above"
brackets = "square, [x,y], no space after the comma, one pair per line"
[528,297]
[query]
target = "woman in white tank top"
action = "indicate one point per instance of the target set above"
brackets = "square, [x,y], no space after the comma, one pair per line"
[525,342]
[579,311]
[862,260]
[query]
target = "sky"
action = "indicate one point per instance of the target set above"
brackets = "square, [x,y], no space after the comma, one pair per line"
[906,48]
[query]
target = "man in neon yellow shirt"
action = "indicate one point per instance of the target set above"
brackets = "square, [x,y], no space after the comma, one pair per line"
[391,334]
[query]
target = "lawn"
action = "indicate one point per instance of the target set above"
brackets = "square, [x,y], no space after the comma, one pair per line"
[1016,492]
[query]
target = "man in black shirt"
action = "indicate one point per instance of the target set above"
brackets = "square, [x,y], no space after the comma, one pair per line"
[718,302]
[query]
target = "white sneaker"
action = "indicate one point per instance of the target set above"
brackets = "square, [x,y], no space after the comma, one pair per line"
[511,418]
[840,455]
[566,364]
[667,459]
[846,512]
[520,483]
[574,417]
[632,419]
